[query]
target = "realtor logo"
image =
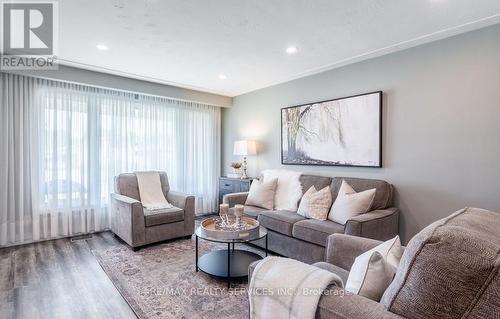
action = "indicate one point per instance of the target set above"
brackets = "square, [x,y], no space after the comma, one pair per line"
[29,35]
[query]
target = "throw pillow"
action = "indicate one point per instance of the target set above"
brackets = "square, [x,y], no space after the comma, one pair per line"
[304,201]
[288,190]
[261,194]
[374,270]
[349,203]
[315,204]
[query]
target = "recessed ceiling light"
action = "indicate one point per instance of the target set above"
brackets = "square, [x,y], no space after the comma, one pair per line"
[291,50]
[222,76]
[102,47]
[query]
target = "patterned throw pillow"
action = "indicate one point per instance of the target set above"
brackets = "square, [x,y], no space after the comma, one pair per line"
[316,204]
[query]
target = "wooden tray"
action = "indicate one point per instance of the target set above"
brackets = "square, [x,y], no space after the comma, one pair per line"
[209,229]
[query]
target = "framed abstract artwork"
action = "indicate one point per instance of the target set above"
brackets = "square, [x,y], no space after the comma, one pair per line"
[340,132]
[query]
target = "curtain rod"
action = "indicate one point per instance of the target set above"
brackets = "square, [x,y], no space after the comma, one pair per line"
[113,89]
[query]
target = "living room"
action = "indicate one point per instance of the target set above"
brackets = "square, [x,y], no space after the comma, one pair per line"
[306,159]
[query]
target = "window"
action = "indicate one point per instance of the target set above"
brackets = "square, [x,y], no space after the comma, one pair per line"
[87,136]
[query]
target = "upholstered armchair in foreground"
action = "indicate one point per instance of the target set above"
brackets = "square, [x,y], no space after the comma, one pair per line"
[450,269]
[139,227]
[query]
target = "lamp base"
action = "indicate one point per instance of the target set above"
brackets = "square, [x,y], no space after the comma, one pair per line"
[244,175]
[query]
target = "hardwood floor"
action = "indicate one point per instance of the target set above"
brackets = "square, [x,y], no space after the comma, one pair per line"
[59,279]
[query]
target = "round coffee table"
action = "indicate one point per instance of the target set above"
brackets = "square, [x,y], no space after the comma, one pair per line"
[228,263]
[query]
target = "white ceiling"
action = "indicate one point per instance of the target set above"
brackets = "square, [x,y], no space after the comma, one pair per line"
[190,42]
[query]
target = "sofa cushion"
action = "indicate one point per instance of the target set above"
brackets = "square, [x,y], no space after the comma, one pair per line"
[253,211]
[163,216]
[280,221]
[449,268]
[316,231]
[319,182]
[383,193]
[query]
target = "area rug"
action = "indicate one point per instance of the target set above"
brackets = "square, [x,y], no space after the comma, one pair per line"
[161,282]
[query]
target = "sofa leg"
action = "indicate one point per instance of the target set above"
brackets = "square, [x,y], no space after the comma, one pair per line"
[136,248]
[187,237]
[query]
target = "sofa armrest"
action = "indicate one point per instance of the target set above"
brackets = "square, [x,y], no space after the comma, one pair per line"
[339,304]
[341,250]
[127,220]
[380,224]
[235,198]
[125,199]
[179,199]
[188,203]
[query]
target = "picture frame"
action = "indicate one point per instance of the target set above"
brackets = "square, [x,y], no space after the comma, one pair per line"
[344,131]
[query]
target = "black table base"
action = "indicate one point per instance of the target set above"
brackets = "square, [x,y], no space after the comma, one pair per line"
[227,263]
[215,263]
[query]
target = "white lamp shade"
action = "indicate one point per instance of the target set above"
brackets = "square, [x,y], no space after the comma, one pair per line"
[244,148]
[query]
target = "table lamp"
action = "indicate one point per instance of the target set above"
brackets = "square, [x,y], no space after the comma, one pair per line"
[244,148]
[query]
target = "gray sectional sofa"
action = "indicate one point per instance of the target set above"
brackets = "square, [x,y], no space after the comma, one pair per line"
[294,236]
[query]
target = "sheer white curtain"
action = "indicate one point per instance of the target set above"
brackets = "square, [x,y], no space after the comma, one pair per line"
[188,135]
[153,133]
[70,191]
[74,139]
[17,95]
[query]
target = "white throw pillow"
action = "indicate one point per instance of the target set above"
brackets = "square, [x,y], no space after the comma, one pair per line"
[288,190]
[315,204]
[349,203]
[304,201]
[261,194]
[374,270]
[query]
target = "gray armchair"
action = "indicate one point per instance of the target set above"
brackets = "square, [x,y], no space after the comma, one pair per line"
[136,227]
[450,269]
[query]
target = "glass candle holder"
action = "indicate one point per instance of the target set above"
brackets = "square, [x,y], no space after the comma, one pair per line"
[238,212]
[223,210]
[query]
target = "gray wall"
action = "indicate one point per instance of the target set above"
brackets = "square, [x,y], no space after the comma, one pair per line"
[441,124]
[66,73]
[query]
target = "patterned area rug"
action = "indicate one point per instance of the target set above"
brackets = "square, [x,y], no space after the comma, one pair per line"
[161,282]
